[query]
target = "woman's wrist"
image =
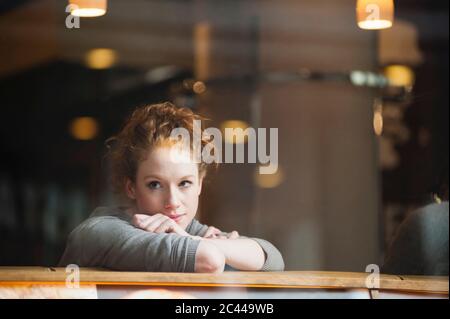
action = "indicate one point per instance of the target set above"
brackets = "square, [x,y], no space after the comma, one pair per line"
[195,237]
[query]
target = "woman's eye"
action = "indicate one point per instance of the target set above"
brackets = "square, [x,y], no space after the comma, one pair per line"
[185,183]
[154,185]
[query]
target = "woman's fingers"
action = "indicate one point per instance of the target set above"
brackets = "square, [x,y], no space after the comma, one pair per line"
[233,235]
[137,220]
[165,227]
[156,222]
[142,221]
[148,223]
[214,233]
[160,223]
[211,232]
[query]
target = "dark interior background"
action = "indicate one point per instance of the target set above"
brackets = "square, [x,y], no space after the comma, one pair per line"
[50,181]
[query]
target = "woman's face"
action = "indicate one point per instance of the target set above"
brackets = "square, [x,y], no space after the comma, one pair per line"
[167,185]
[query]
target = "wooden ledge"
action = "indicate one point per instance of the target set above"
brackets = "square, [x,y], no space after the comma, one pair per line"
[286,279]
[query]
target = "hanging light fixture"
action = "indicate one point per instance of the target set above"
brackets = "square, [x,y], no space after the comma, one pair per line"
[375,14]
[87,8]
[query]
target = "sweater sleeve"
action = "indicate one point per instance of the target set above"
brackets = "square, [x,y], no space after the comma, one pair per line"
[196,228]
[115,244]
[274,260]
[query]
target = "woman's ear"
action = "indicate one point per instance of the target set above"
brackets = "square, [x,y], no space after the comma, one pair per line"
[130,189]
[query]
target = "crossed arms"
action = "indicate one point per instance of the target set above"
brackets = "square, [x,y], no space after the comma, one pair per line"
[153,243]
[215,248]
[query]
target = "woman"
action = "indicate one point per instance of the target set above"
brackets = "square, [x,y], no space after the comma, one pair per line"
[157,229]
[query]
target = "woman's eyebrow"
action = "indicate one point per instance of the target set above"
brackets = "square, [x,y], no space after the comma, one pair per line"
[158,177]
[152,176]
[188,176]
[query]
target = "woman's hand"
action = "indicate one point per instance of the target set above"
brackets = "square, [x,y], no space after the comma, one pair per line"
[157,223]
[233,235]
[214,233]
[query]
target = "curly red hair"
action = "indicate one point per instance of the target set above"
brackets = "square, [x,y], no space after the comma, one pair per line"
[148,126]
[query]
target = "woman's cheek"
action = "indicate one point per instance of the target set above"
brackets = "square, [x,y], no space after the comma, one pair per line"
[193,201]
[149,202]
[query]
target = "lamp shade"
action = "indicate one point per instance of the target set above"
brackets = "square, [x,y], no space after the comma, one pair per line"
[88,8]
[375,14]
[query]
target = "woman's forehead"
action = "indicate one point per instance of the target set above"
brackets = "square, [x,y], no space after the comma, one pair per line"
[168,161]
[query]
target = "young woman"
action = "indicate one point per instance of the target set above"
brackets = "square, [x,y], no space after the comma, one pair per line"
[157,229]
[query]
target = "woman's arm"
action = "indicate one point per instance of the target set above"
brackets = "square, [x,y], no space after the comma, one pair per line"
[209,258]
[112,243]
[242,254]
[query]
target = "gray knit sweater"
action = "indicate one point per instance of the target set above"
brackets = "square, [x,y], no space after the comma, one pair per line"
[108,239]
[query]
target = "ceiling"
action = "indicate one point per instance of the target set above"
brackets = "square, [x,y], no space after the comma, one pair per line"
[149,33]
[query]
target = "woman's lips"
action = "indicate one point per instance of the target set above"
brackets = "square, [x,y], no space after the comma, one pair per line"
[176,217]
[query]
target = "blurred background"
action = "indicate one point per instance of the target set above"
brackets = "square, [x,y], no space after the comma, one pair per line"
[362,116]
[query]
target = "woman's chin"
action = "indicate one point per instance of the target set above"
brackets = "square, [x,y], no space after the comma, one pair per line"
[184,222]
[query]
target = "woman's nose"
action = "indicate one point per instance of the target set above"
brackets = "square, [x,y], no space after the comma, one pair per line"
[172,200]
